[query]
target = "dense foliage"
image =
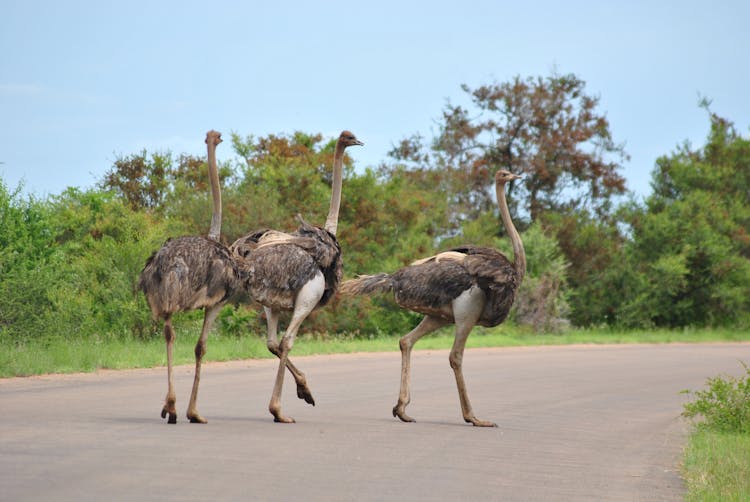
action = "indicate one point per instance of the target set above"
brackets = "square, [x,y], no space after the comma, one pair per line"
[689,257]
[724,406]
[546,129]
[69,263]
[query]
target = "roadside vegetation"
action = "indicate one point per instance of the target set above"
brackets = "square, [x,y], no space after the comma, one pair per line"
[717,459]
[62,355]
[69,263]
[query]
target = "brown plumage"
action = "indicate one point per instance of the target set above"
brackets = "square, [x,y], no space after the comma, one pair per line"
[285,262]
[189,273]
[466,285]
[297,272]
[429,286]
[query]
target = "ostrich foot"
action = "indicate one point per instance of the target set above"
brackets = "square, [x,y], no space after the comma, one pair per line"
[196,418]
[278,417]
[303,392]
[479,423]
[400,412]
[172,415]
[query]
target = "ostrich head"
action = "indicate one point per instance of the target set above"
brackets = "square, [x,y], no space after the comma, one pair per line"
[503,176]
[347,138]
[214,137]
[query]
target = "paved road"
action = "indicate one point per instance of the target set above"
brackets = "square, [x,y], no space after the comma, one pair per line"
[575,423]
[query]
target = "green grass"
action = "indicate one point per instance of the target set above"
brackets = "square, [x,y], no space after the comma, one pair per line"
[717,460]
[717,466]
[64,355]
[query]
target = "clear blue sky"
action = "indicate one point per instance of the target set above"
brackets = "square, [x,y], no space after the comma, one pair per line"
[81,82]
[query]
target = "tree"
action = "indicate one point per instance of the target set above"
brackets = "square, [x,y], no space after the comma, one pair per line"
[141,181]
[595,252]
[547,129]
[691,249]
[281,176]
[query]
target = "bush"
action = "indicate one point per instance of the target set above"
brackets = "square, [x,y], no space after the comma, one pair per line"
[29,266]
[236,320]
[69,267]
[542,302]
[725,405]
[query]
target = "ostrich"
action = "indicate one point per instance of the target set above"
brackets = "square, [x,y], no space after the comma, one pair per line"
[189,273]
[295,272]
[465,286]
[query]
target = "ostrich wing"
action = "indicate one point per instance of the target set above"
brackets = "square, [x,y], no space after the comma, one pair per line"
[488,266]
[319,243]
[282,263]
[277,272]
[187,273]
[497,277]
[245,245]
[326,249]
[326,252]
[430,286]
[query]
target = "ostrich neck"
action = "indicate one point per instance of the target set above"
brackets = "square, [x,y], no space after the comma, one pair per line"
[214,232]
[332,221]
[519,259]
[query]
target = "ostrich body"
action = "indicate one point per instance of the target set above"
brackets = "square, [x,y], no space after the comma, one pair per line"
[295,272]
[464,286]
[189,273]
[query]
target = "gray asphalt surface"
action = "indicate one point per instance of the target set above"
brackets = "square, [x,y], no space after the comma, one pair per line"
[575,423]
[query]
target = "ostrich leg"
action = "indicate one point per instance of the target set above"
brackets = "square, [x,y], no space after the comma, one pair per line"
[169,402]
[200,350]
[427,325]
[303,391]
[307,298]
[466,310]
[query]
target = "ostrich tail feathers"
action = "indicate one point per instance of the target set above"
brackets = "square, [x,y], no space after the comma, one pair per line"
[367,285]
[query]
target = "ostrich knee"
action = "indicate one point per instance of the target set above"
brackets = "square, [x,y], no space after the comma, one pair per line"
[285,346]
[169,335]
[273,347]
[455,360]
[200,350]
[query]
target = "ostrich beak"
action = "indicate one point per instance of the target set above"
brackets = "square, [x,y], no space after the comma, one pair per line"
[358,142]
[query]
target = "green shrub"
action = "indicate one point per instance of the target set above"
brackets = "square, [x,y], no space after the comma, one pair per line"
[236,320]
[690,250]
[724,406]
[542,302]
[104,244]
[29,266]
